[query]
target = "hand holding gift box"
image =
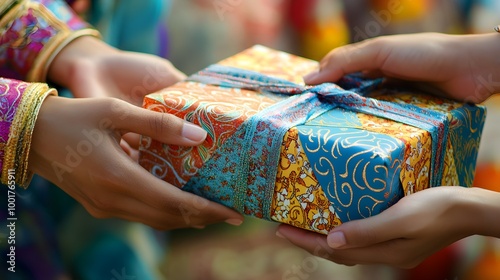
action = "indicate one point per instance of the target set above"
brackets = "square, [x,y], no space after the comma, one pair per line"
[311,157]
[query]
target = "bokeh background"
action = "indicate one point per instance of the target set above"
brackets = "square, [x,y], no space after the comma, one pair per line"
[205,31]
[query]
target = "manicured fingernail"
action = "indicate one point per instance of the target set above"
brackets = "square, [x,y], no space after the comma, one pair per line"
[336,239]
[278,234]
[234,222]
[311,76]
[193,132]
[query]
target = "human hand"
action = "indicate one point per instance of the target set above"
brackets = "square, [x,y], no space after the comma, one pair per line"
[91,68]
[409,231]
[76,146]
[463,67]
[79,6]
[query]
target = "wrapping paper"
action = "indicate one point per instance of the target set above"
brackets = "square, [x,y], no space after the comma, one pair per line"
[312,157]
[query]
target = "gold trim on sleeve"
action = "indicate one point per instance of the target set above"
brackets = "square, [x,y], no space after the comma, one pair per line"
[10,11]
[21,131]
[38,72]
[40,67]
[7,6]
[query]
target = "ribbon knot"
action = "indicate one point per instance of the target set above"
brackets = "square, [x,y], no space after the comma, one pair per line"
[305,103]
[332,93]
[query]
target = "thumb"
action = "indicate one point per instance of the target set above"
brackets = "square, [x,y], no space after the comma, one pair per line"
[163,127]
[346,59]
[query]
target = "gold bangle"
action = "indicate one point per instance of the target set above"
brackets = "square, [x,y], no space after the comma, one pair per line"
[18,145]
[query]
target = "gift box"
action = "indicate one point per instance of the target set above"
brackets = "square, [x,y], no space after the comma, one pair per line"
[309,156]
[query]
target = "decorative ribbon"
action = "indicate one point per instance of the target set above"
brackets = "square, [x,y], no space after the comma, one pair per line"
[258,140]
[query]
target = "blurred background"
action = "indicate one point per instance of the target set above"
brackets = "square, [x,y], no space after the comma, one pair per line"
[196,33]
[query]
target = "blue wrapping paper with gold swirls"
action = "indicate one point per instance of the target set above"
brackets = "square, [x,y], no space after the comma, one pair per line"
[302,159]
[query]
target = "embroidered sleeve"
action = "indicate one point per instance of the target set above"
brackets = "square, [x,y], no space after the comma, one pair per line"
[32,33]
[20,103]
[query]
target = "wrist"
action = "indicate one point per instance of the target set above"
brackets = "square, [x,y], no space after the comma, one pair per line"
[76,58]
[22,101]
[481,50]
[481,211]
[492,42]
[28,53]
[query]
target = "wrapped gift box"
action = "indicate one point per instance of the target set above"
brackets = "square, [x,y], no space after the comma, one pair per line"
[311,157]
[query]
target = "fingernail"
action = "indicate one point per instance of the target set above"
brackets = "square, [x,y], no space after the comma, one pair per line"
[234,222]
[278,234]
[310,76]
[336,239]
[193,132]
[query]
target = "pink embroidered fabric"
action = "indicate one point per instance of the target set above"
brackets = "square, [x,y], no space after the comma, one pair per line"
[32,26]
[64,14]
[11,92]
[32,32]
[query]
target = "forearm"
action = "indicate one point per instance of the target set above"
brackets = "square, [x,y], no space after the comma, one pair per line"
[33,33]
[78,56]
[482,211]
[483,66]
